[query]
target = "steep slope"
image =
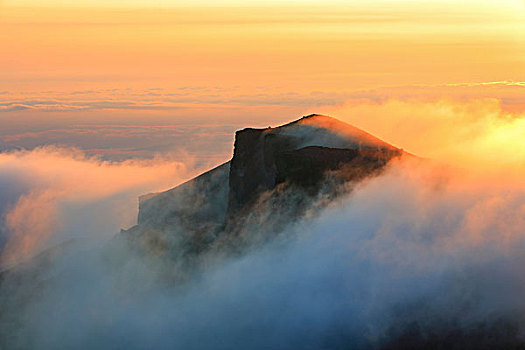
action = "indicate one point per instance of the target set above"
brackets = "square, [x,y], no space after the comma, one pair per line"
[300,153]
[189,215]
[276,175]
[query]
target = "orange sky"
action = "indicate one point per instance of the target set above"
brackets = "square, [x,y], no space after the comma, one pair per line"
[251,63]
[281,46]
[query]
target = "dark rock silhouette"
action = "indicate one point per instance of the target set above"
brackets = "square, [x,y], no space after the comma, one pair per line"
[276,175]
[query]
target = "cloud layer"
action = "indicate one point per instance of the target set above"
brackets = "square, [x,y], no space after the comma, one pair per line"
[429,249]
[186,97]
[50,195]
[477,134]
[414,246]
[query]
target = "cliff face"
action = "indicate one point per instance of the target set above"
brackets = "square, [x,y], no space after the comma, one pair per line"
[251,170]
[185,219]
[276,175]
[201,200]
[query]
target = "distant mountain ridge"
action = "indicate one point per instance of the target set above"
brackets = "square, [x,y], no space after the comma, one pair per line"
[275,176]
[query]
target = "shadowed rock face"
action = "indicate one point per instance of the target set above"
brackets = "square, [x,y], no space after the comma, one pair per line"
[189,215]
[278,158]
[275,176]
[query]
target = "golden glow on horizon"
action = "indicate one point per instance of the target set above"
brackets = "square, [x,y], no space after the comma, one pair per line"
[178,3]
[272,62]
[334,47]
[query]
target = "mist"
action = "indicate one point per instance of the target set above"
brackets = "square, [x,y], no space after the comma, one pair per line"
[53,194]
[403,248]
[475,133]
[428,250]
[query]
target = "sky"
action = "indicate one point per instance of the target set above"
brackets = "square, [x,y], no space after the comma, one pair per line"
[117,78]
[104,101]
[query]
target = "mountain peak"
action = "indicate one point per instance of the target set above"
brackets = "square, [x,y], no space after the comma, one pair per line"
[299,153]
[315,115]
[326,131]
[298,166]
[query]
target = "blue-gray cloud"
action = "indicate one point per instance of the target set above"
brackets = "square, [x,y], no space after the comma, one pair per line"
[400,251]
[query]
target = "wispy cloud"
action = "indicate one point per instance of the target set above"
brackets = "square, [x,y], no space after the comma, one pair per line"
[186,97]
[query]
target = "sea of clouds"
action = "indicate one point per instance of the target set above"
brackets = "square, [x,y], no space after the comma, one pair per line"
[426,250]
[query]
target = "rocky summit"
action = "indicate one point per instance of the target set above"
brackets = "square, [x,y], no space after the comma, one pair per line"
[276,175]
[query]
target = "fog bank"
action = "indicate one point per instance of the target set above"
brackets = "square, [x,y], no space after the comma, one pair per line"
[417,248]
